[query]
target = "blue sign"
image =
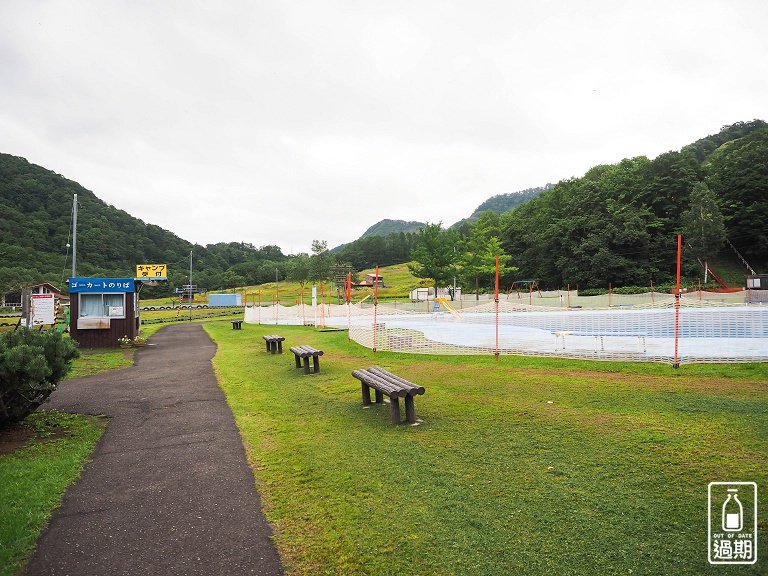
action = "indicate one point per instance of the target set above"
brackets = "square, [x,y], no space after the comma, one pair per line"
[101,285]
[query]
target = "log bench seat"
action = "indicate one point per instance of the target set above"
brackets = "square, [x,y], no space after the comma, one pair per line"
[305,353]
[274,343]
[384,382]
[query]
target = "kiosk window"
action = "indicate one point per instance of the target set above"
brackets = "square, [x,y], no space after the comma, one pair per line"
[102,305]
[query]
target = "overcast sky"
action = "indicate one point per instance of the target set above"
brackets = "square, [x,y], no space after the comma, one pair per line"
[281,122]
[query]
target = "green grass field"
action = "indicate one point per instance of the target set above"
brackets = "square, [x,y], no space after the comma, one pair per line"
[520,466]
[34,477]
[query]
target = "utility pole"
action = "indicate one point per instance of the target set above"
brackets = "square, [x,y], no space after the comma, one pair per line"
[74,237]
[190,285]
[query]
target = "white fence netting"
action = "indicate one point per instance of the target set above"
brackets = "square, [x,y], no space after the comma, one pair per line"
[706,327]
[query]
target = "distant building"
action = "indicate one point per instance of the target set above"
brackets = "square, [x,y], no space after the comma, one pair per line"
[371,280]
[757,288]
[215,300]
[14,298]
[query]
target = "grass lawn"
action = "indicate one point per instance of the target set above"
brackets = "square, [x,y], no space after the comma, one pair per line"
[33,478]
[520,466]
[41,458]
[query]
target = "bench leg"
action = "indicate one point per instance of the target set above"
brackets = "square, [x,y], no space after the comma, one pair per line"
[268,345]
[306,365]
[316,363]
[366,394]
[410,412]
[395,404]
[298,361]
[279,346]
[379,396]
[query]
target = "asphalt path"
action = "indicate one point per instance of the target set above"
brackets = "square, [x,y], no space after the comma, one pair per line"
[168,490]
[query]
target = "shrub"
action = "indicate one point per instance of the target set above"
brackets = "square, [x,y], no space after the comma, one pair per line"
[32,363]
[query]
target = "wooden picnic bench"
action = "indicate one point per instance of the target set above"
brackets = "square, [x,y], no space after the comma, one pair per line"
[305,353]
[274,343]
[236,324]
[384,382]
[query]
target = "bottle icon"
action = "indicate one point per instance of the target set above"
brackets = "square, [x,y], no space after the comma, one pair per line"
[733,512]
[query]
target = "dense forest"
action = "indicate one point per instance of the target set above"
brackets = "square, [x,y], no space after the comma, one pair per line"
[502,203]
[616,225]
[36,226]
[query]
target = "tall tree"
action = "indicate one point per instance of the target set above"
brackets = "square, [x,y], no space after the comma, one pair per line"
[320,261]
[435,255]
[702,222]
[299,270]
[737,173]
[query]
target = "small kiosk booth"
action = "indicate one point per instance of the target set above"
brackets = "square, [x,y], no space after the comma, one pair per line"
[102,311]
[757,289]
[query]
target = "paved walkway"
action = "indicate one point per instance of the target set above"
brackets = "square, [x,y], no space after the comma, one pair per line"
[169,490]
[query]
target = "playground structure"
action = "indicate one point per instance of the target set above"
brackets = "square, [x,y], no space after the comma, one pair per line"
[523,286]
[444,303]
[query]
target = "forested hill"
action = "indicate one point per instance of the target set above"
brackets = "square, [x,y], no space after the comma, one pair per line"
[502,203]
[35,227]
[386,226]
[618,223]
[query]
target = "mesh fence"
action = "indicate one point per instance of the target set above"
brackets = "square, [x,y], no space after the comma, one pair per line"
[703,327]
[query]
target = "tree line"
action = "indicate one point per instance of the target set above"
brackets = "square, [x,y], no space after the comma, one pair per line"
[616,225]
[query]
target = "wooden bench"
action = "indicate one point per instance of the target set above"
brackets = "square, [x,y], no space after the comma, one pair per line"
[384,382]
[274,343]
[305,353]
[237,324]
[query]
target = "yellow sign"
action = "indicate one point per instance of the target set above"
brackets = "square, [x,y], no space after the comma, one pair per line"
[151,270]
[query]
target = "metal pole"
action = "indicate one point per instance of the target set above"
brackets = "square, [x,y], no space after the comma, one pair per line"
[74,237]
[190,285]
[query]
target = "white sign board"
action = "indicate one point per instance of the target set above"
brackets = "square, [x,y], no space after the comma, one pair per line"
[43,309]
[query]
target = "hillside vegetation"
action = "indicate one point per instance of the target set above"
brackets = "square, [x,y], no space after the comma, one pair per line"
[615,225]
[618,223]
[36,226]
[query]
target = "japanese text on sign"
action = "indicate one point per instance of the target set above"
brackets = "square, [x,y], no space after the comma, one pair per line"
[151,270]
[101,285]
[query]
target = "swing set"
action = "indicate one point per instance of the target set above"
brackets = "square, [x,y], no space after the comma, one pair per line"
[521,286]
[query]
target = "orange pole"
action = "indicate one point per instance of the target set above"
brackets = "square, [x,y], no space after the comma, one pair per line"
[347,295]
[497,308]
[677,300]
[349,287]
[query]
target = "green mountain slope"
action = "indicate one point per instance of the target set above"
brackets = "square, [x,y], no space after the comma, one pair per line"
[502,203]
[618,223]
[35,227]
[386,227]
[615,224]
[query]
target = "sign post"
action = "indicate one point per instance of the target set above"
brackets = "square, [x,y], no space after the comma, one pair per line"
[43,309]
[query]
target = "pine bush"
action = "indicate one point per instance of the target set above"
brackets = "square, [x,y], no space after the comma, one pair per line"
[32,363]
